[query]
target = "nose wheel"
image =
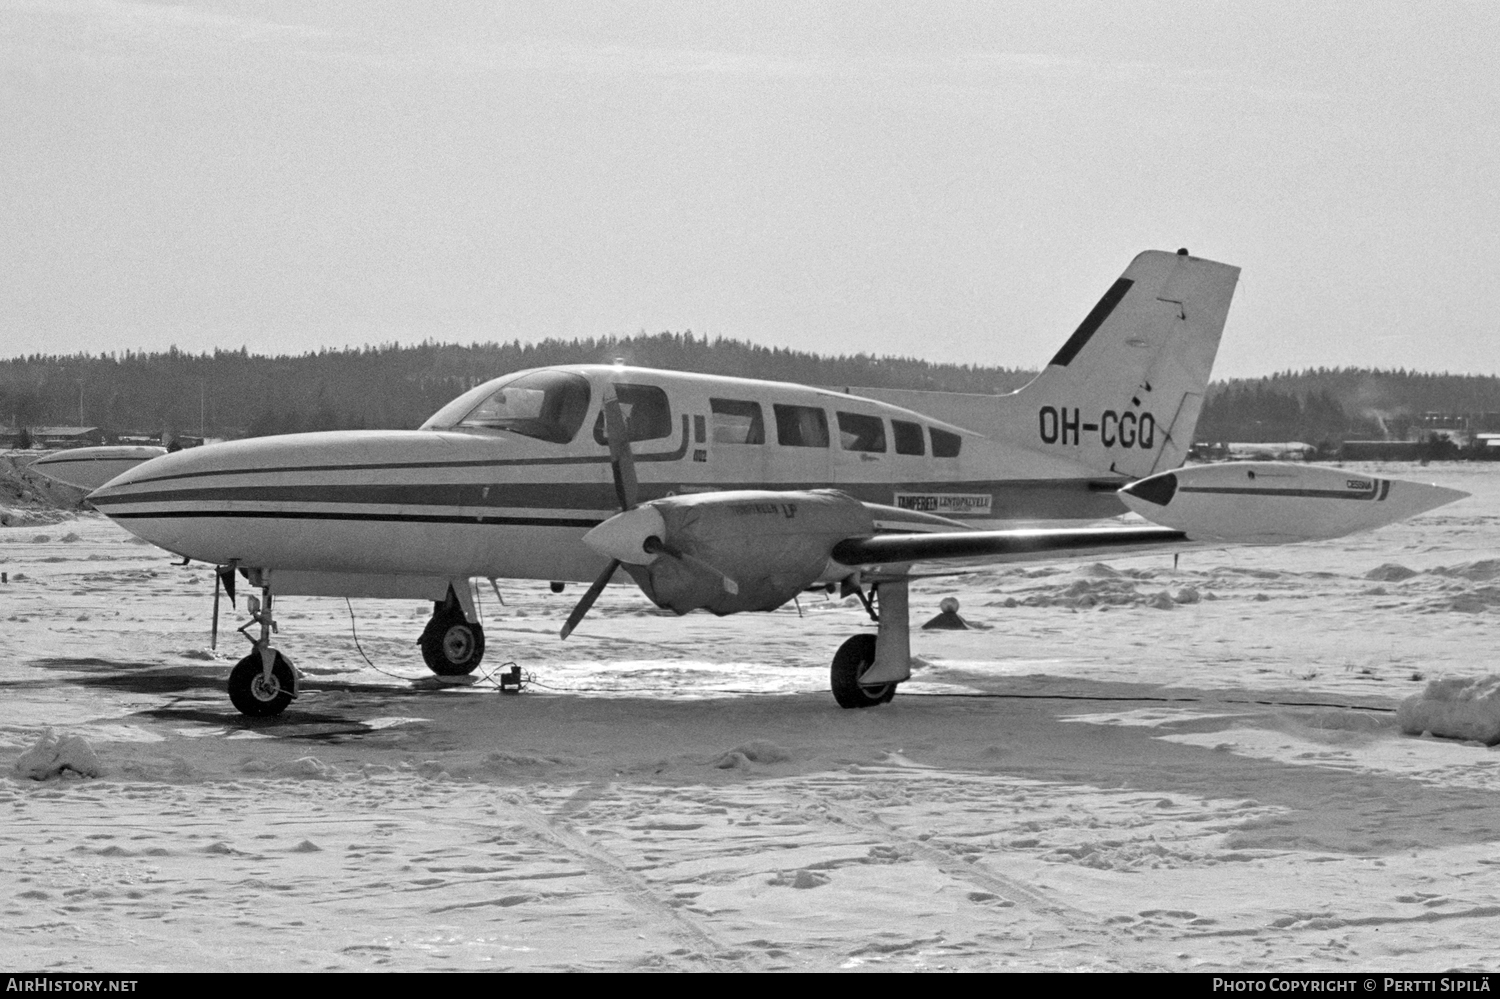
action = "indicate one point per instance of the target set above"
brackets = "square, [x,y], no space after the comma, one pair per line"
[260,694]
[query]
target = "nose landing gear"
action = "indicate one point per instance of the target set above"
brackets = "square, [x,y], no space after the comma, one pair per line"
[264,682]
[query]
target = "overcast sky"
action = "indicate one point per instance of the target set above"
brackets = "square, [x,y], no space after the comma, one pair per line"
[958,182]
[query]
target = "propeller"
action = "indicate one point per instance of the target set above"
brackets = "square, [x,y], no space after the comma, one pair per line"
[634,534]
[627,489]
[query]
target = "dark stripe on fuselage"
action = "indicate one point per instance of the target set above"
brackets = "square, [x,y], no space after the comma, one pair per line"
[1092,322]
[1042,499]
[402,518]
[49,462]
[593,459]
[1297,493]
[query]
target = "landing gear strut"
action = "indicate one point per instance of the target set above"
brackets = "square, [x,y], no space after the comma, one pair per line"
[264,682]
[868,668]
[452,645]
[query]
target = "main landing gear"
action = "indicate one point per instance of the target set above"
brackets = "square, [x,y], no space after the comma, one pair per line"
[452,645]
[868,668]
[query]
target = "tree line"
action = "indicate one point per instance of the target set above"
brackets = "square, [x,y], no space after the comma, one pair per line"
[233,393]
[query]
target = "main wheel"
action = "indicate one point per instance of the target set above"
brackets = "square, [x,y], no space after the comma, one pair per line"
[451,646]
[852,661]
[254,693]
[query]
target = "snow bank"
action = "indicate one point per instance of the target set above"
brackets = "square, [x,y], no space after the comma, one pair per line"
[754,751]
[52,755]
[1481,571]
[1102,591]
[27,498]
[1455,709]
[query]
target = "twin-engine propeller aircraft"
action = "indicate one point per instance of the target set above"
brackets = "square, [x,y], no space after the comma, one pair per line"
[734,495]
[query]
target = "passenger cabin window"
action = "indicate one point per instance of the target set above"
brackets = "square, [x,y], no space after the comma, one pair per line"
[858,432]
[944,444]
[801,426]
[909,437]
[648,415]
[737,422]
[547,405]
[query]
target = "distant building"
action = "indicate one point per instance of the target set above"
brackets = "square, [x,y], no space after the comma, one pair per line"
[1255,451]
[53,438]
[1382,450]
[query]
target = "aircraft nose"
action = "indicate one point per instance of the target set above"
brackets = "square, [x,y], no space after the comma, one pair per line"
[1157,489]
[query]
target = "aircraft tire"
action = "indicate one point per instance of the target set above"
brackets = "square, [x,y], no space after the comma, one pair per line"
[851,662]
[451,646]
[252,694]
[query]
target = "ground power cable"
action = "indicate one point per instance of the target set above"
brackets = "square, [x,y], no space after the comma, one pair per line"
[528,679]
[485,676]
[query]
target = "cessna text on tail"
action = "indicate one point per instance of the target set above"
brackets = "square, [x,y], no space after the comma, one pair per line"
[734,495]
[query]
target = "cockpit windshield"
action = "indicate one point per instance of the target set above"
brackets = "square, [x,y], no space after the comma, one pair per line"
[547,405]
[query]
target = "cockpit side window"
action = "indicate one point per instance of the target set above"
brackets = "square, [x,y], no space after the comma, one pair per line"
[547,405]
[648,414]
[737,421]
[859,432]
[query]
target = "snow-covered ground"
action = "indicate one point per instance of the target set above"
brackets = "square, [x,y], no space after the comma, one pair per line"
[1130,766]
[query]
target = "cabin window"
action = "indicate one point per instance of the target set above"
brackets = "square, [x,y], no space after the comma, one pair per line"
[909,437]
[648,415]
[801,426]
[858,432]
[945,444]
[547,405]
[737,422]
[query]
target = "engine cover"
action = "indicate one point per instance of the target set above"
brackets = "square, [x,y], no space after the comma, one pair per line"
[772,544]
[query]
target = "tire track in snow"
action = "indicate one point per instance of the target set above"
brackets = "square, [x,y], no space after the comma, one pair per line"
[1071,920]
[556,830]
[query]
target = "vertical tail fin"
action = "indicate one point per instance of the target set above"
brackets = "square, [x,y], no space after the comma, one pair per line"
[1124,392]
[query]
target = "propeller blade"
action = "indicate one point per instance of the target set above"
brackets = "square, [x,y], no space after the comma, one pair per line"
[655,544]
[621,460]
[588,598]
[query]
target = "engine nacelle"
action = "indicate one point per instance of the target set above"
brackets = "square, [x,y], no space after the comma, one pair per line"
[771,544]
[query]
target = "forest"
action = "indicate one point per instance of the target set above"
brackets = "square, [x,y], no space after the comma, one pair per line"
[237,394]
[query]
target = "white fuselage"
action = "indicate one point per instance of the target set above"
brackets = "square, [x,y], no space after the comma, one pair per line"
[462,501]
